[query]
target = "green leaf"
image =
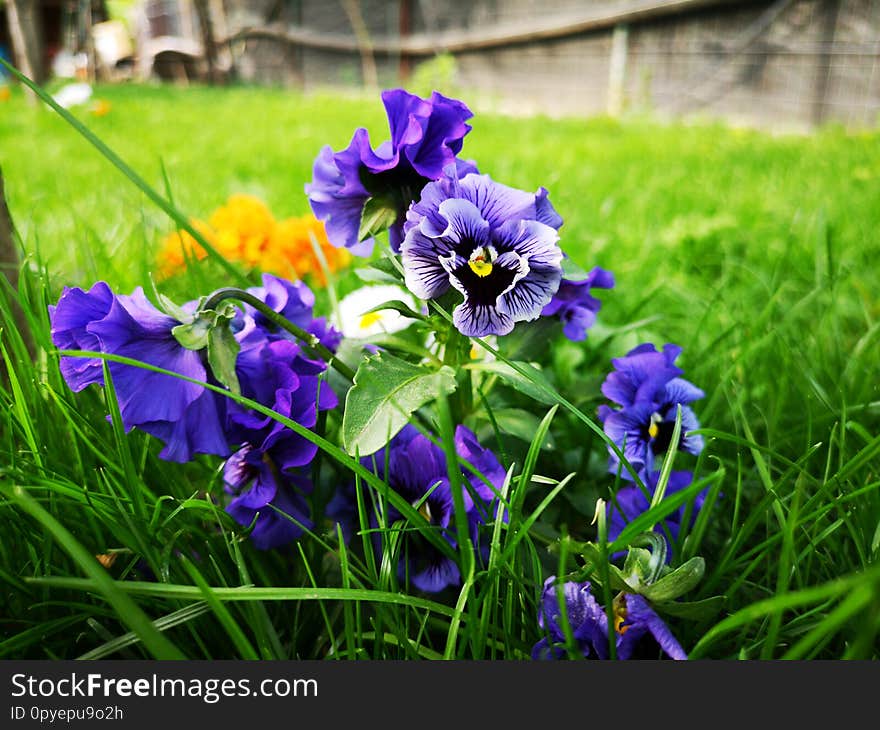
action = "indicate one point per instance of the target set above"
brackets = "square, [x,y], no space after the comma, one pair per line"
[385,394]
[637,567]
[222,351]
[381,270]
[528,341]
[693,610]
[399,306]
[194,336]
[173,310]
[531,385]
[678,582]
[379,214]
[522,424]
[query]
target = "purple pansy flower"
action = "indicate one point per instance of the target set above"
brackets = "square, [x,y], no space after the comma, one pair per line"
[647,385]
[272,369]
[186,417]
[426,136]
[488,241]
[634,620]
[266,497]
[70,318]
[416,467]
[633,502]
[575,306]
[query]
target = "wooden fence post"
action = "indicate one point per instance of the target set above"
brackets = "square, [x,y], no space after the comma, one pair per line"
[617,69]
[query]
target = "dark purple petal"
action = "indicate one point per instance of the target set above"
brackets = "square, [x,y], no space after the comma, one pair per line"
[273,528]
[479,320]
[497,203]
[421,256]
[535,241]
[681,391]
[640,614]
[69,320]
[340,211]
[544,211]
[640,376]
[463,223]
[198,431]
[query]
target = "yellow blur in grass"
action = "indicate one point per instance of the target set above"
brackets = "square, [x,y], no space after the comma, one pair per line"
[245,231]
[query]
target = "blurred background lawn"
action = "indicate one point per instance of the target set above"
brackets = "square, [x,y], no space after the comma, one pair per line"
[756,252]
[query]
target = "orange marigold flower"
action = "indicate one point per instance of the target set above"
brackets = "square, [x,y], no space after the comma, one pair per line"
[179,247]
[249,225]
[292,247]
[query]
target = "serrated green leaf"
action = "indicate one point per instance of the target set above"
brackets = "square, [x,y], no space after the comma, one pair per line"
[222,351]
[530,386]
[385,394]
[379,214]
[678,582]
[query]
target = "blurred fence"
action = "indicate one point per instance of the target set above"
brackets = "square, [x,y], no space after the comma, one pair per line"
[781,62]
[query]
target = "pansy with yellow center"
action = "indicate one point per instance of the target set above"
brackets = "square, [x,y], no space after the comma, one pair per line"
[634,620]
[496,245]
[647,386]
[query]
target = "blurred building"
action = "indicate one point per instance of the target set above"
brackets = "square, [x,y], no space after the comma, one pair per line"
[766,62]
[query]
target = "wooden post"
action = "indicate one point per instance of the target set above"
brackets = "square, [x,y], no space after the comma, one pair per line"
[617,69]
[829,12]
[404,68]
[365,44]
[206,26]
[27,39]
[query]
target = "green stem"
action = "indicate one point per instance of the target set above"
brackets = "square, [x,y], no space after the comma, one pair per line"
[456,352]
[311,341]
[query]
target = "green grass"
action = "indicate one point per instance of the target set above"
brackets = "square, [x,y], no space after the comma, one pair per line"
[756,253]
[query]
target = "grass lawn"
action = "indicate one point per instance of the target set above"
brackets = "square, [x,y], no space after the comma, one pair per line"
[758,254]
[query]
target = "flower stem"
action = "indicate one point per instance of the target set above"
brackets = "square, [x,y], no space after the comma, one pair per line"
[455,353]
[310,341]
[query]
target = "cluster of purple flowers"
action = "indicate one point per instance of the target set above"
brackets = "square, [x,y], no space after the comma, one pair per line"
[634,619]
[263,471]
[649,390]
[496,245]
[416,468]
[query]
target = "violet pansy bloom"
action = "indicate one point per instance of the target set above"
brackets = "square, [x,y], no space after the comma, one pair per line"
[426,136]
[274,502]
[70,320]
[416,470]
[634,620]
[188,418]
[575,306]
[490,243]
[632,502]
[647,385]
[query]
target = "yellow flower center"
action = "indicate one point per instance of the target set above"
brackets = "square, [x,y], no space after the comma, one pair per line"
[481,261]
[425,511]
[654,427]
[620,615]
[369,319]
